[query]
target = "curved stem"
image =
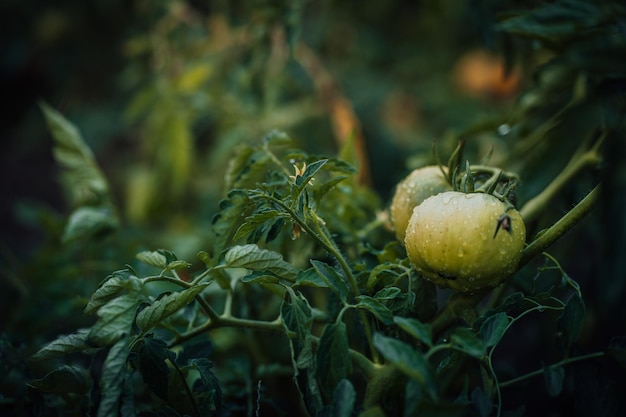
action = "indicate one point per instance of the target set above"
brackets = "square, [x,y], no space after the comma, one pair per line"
[534,206]
[558,229]
[540,371]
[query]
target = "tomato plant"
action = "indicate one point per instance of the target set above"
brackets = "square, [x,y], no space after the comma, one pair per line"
[286,291]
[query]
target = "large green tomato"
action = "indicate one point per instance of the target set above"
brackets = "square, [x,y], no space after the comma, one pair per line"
[411,191]
[465,241]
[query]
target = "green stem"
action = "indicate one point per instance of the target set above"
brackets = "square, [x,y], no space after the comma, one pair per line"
[540,371]
[536,205]
[219,321]
[380,381]
[558,229]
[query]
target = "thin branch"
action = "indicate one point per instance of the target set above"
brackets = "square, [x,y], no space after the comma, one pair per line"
[540,371]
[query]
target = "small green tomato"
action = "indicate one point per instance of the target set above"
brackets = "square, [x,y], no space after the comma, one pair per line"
[465,241]
[411,191]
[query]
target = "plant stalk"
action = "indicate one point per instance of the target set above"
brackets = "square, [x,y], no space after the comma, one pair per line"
[558,229]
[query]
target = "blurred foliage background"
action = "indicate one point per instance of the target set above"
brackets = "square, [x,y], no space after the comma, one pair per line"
[163,92]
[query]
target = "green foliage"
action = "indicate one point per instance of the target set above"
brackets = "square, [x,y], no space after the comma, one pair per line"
[299,301]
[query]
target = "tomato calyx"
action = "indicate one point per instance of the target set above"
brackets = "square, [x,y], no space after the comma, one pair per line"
[468,178]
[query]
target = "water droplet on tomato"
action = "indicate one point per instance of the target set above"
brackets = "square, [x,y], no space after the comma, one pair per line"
[460,252]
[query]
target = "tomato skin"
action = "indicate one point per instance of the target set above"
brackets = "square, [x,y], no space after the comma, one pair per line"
[420,184]
[456,240]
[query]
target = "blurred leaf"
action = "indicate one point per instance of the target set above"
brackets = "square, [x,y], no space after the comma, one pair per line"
[493,328]
[408,360]
[88,222]
[482,402]
[555,23]
[553,377]
[464,339]
[570,322]
[420,331]
[82,175]
[252,257]
[377,308]
[64,380]
[167,305]
[152,258]
[151,356]
[333,357]
[335,281]
[76,342]
[617,350]
[114,320]
[344,398]
[112,380]
[205,258]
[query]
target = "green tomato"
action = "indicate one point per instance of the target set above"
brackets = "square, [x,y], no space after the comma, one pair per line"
[411,191]
[465,241]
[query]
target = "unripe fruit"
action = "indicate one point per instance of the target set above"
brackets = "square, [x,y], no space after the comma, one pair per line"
[411,191]
[465,241]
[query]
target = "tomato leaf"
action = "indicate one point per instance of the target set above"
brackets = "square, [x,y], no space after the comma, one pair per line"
[387,293]
[333,357]
[152,258]
[76,342]
[252,257]
[310,278]
[465,340]
[88,222]
[114,320]
[309,172]
[112,286]
[297,317]
[408,360]
[377,308]
[420,331]
[114,373]
[570,322]
[344,397]
[208,389]
[66,379]
[260,278]
[493,328]
[255,221]
[166,306]
[151,356]
[335,281]
[81,174]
